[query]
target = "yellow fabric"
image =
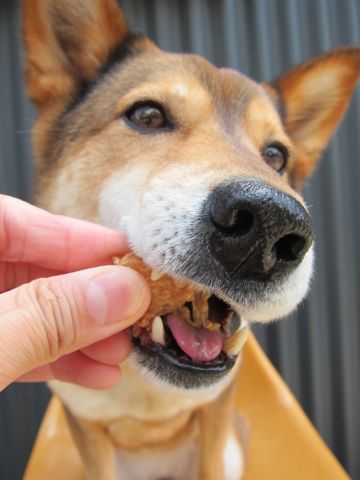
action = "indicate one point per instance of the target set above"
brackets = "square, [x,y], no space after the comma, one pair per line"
[283,443]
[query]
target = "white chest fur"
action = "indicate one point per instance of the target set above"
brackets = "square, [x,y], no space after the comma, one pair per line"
[177,464]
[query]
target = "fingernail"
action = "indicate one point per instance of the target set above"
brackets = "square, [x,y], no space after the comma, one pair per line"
[115,295]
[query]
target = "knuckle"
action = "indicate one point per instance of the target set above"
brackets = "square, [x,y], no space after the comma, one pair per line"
[56,308]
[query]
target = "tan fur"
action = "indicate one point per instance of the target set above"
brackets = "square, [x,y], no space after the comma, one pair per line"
[56,65]
[224,121]
[216,421]
[95,446]
[316,96]
[210,424]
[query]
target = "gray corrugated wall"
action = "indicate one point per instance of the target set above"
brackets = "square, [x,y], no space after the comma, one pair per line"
[317,350]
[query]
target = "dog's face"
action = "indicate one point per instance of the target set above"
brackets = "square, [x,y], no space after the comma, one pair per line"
[200,167]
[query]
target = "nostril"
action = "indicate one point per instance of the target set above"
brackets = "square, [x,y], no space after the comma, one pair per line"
[238,222]
[244,221]
[290,248]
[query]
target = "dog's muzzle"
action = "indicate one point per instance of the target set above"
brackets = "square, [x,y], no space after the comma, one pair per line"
[256,232]
[240,251]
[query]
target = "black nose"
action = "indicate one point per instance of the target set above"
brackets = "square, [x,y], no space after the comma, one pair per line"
[257,231]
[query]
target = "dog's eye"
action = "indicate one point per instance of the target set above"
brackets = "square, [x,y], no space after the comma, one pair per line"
[276,156]
[147,115]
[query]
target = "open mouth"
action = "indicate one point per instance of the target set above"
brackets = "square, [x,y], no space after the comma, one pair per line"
[188,337]
[188,341]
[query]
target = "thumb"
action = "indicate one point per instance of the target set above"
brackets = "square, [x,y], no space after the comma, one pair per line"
[50,317]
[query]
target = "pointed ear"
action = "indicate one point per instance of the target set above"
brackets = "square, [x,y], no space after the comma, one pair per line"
[314,97]
[66,42]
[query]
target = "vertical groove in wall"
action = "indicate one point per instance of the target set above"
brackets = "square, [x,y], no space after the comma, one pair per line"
[317,349]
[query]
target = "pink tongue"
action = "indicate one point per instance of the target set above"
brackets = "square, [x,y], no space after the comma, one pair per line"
[200,344]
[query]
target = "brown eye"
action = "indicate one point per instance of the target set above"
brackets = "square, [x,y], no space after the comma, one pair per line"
[276,157]
[149,116]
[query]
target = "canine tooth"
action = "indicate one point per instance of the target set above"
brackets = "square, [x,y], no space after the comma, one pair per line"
[243,324]
[156,275]
[157,331]
[234,344]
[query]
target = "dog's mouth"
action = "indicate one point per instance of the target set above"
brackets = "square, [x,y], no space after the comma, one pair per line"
[188,341]
[188,337]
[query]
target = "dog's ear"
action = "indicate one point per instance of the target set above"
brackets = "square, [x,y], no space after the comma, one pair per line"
[66,43]
[314,98]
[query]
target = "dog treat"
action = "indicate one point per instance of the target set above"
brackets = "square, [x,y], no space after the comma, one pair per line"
[168,295]
[200,312]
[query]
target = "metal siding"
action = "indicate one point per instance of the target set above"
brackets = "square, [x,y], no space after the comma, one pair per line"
[317,350]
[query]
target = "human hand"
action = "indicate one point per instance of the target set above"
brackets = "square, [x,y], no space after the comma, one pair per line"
[58,320]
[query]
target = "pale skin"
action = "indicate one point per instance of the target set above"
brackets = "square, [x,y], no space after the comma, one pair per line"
[64,309]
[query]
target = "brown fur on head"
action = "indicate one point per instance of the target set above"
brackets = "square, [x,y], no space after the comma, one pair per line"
[222,120]
[315,96]
[55,33]
[87,74]
[68,43]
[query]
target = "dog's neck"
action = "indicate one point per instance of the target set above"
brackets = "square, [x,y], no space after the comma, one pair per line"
[131,434]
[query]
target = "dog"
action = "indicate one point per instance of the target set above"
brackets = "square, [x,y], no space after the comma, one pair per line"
[202,168]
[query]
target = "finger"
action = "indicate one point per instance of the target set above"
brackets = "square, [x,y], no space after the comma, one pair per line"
[29,234]
[112,350]
[76,368]
[39,374]
[49,318]
[80,369]
[13,275]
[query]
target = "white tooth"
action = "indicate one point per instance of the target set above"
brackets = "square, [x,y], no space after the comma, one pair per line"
[234,344]
[243,324]
[157,331]
[116,260]
[156,275]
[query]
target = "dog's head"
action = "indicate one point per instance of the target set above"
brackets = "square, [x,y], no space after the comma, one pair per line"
[200,166]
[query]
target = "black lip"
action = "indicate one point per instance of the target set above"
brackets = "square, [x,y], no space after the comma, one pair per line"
[220,365]
[179,370]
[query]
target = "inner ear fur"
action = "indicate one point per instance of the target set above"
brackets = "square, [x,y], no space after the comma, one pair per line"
[314,97]
[66,42]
